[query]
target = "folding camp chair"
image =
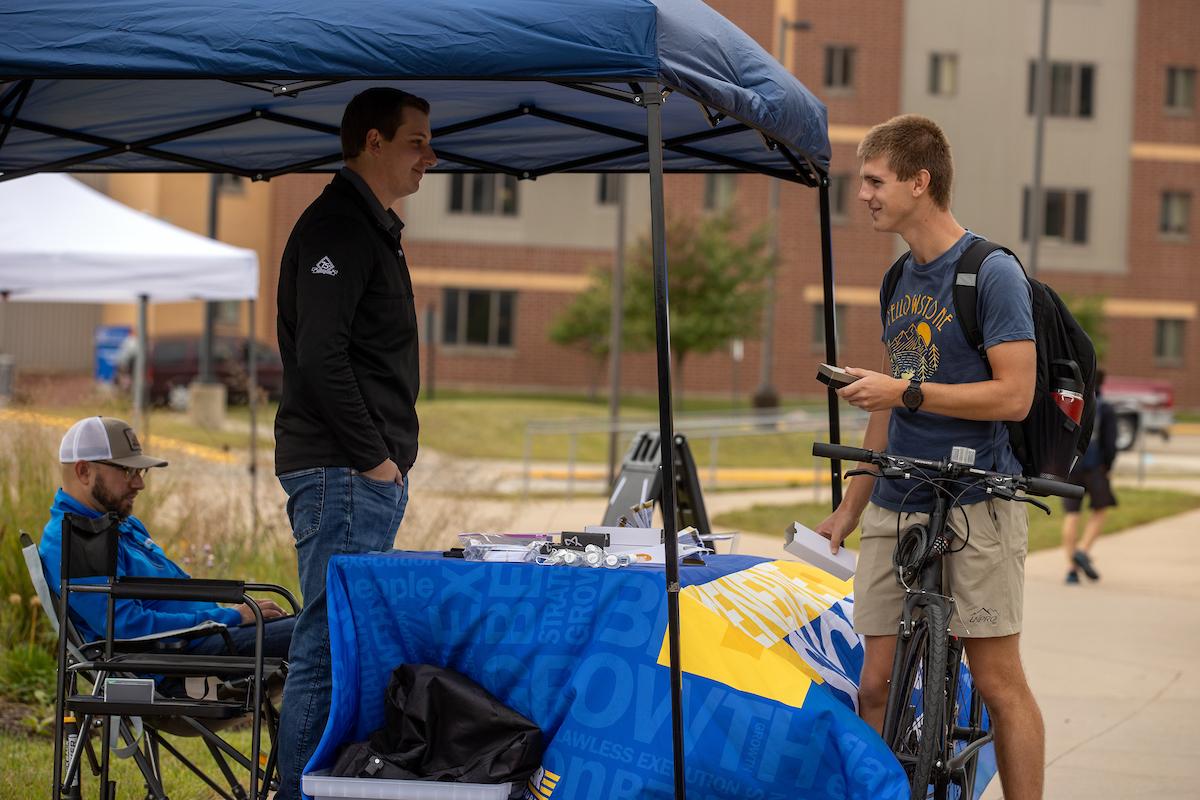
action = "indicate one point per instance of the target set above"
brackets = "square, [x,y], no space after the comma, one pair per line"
[235,688]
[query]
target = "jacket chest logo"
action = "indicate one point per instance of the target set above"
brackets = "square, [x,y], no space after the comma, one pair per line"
[324,267]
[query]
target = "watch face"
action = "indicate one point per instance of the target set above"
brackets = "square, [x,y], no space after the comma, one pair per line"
[912,398]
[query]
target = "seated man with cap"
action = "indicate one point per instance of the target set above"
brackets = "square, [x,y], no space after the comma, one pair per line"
[102,469]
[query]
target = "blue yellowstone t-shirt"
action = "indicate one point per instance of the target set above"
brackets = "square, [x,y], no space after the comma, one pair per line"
[925,341]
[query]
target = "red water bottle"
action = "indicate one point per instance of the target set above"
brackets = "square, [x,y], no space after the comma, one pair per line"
[1069,400]
[1068,392]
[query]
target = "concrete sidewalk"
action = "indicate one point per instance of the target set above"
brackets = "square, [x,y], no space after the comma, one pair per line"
[1115,665]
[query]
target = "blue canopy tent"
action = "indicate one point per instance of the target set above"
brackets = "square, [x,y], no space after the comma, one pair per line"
[526,87]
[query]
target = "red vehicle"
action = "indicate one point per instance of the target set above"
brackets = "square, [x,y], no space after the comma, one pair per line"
[175,363]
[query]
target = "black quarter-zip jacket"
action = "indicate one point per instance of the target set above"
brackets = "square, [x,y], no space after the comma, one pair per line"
[348,339]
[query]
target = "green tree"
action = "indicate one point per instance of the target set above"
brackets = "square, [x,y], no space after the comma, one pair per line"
[715,284]
[1089,313]
[584,324]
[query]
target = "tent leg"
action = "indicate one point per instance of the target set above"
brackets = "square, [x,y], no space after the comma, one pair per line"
[831,356]
[652,100]
[252,402]
[139,370]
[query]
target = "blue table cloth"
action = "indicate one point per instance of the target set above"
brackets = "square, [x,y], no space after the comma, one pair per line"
[769,657]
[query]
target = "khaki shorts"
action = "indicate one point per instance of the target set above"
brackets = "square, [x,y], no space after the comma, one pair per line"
[986,578]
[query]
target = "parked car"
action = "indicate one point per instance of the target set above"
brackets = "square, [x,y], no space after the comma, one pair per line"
[1143,406]
[175,363]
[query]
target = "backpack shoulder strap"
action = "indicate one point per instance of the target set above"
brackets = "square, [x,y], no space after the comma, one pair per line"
[966,293]
[891,280]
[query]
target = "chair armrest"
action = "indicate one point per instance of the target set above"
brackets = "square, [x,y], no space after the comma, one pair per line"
[179,589]
[161,641]
[274,588]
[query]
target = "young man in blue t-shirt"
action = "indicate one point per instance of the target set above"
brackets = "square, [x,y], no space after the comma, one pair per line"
[932,393]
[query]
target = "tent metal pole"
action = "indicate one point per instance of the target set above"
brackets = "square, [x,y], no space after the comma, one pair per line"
[139,372]
[614,331]
[831,356]
[252,401]
[652,100]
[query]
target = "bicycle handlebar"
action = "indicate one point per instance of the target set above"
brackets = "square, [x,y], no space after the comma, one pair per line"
[1042,487]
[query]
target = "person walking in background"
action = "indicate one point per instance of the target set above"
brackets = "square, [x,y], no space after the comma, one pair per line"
[346,430]
[1091,473]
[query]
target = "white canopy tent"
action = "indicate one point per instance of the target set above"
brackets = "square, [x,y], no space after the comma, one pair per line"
[62,241]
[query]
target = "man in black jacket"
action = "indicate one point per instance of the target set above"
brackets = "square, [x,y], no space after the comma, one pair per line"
[1092,474]
[346,431]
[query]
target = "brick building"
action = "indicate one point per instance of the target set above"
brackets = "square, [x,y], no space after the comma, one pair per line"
[497,259]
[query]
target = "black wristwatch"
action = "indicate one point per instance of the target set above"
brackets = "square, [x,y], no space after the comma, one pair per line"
[913,396]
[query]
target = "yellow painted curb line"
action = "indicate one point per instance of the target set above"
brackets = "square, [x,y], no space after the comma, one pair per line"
[167,443]
[802,477]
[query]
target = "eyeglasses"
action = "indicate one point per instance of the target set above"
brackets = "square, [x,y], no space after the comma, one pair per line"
[130,472]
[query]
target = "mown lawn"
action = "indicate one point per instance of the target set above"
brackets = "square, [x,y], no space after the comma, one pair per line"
[28,762]
[493,426]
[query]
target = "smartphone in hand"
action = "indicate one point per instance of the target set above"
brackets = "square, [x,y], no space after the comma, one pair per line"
[835,377]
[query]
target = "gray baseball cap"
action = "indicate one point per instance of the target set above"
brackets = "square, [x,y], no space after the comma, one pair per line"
[105,439]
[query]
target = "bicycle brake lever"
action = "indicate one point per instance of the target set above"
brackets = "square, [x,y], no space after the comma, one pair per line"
[1032,502]
[854,472]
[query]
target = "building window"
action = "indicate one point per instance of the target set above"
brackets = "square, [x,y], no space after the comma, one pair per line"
[839,197]
[1071,89]
[1176,208]
[608,189]
[943,74]
[818,324]
[478,317]
[1181,90]
[1064,216]
[230,184]
[718,191]
[483,194]
[839,67]
[1168,341]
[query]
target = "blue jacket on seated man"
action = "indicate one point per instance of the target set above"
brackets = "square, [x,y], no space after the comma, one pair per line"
[102,471]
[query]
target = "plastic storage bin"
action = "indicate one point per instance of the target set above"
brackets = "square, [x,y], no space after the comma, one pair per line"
[321,786]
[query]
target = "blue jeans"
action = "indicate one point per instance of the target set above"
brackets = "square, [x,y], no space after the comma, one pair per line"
[333,510]
[277,637]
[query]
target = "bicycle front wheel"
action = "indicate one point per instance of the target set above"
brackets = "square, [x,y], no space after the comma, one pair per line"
[919,741]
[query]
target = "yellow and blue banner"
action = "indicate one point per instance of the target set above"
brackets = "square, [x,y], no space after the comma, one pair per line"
[770,665]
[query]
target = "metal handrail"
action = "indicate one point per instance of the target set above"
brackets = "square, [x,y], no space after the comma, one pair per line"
[710,425]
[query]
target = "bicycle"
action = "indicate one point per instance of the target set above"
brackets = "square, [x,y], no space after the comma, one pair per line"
[936,735]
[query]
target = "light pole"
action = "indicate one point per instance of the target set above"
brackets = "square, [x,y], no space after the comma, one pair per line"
[1035,220]
[766,396]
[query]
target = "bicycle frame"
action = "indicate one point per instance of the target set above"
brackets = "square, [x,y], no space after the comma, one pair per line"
[929,592]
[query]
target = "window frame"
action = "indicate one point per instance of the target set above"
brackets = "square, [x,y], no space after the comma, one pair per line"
[483,196]
[1072,90]
[1177,74]
[816,338]
[720,190]
[456,314]
[1182,199]
[839,197]
[839,67]
[1169,335]
[1075,224]
[938,63]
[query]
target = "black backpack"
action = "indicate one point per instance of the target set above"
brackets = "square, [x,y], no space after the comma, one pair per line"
[1046,442]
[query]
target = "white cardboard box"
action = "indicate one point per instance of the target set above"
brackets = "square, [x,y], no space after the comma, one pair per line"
[813,548]
[321,785]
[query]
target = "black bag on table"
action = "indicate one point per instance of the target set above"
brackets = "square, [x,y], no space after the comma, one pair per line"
[442,726]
